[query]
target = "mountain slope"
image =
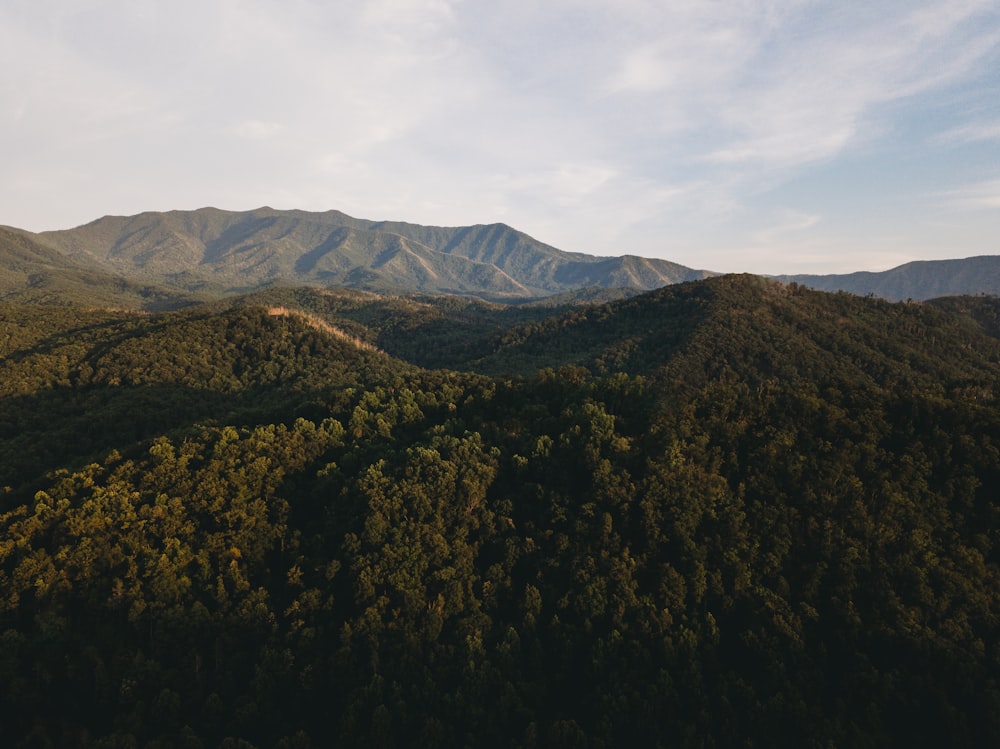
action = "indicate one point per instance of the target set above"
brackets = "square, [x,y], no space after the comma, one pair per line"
[249,249]
[74,380]
[214,251]
[757,327]
[982,312]
[919,280]
[703,328]
[31,271]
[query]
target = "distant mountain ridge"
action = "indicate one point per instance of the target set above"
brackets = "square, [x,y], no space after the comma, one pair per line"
[238,251]
[918,280]
[159,260]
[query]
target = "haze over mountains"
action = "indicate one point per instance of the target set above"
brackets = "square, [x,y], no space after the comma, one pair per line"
[155,260]
[922,279]
[210,248]
[32,272]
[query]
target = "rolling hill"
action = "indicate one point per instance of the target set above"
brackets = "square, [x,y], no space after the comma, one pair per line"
[726,512]
[325,508]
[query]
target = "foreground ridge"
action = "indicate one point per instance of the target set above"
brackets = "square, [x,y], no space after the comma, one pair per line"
[727,512]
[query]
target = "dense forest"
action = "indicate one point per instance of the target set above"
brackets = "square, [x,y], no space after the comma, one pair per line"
[729,512]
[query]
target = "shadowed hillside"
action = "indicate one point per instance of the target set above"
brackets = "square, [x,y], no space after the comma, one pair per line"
[728,512]
[748,324]
[31,272]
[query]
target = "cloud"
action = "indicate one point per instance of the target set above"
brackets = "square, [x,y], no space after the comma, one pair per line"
[637,126]
[643,70]
[257,130]
[790,222]
[979,196]
[809,92]
[421,18]
[974,133]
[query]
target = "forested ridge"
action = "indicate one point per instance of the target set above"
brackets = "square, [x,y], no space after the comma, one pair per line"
[725,513]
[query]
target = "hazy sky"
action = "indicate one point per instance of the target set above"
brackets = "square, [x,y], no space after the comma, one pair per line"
[767,136]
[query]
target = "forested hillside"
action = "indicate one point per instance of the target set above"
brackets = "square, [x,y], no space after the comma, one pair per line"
[33,273]
[724,513]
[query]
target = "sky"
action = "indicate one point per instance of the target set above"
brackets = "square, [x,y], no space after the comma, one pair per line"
[762,136]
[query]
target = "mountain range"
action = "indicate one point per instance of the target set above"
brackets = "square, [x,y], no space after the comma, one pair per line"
[159,260]
[919,280]
[211,250]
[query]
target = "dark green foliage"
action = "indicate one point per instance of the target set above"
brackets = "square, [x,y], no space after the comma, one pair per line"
[982,312]
[430,331]
[729,513]
[74,383]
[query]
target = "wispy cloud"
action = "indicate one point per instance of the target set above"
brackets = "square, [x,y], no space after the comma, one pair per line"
[808,93]
[972,133]
[978,196]
[637,126]
[789,222]
[257,130]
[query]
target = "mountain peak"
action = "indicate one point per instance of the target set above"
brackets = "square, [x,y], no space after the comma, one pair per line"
[241,250]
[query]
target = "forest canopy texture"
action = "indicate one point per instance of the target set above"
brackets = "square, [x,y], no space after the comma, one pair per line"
[725,513]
